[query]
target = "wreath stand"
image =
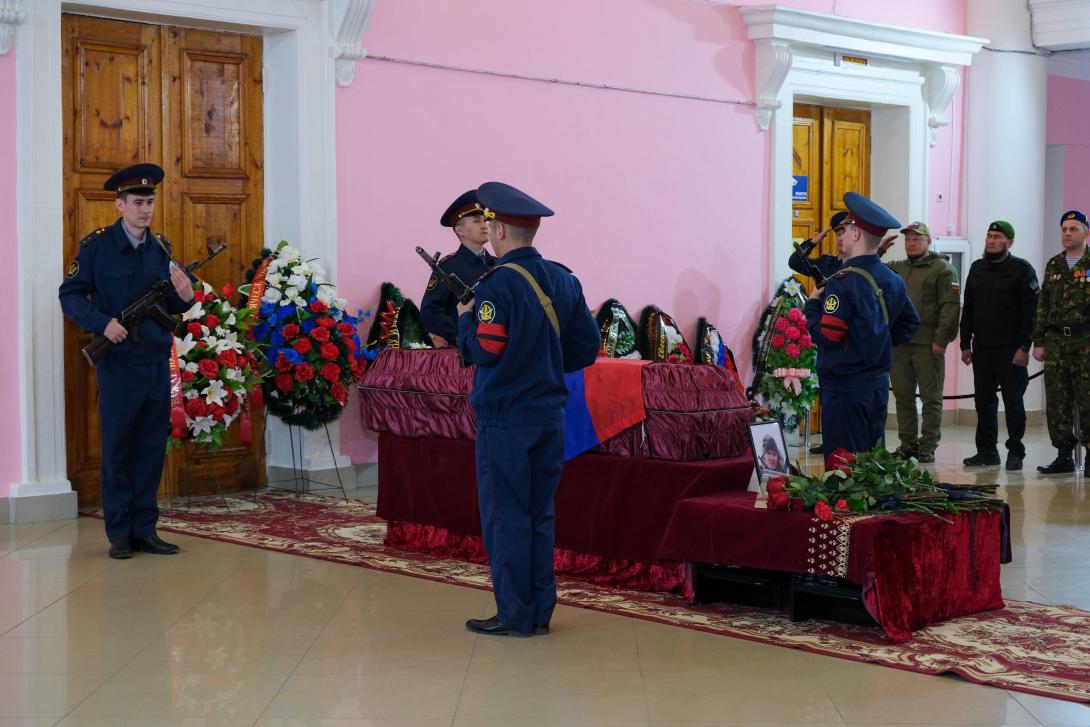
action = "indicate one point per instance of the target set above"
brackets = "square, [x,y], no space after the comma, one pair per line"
[186,476]
[303,483]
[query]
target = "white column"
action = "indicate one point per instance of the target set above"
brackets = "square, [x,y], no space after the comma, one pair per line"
[1005,137]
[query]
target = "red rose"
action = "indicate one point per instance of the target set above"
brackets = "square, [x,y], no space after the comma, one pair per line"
[194,328]
[319,307]
[232,404]
[216,412]
[211,321]
[188,376]
[777,484]
[304,372]
[777,341]
[282,363]
[339,392]
[345,329]
[331,372]
[229,359]
[349,344]
[195,408]
[330,351]
[209,368]
[841,455]
[842,505]
[290,331]
[319,334]
[778,500]
[284,382]
[326,322]
[302,346]
[822,511]
[227,291]
[198,296]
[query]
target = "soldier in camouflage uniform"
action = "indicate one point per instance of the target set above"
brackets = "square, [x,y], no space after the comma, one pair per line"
[1062,333]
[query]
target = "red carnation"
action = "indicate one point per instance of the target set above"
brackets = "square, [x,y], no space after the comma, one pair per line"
[777,341]
[339,392]
[345,329]
[209,368]
[331,372]
[792,333]
[229,359]
[822,511]
[188,376]
[290,331]
[284,382]
[304,372]
[282,363]
[842,505]
[319,334]
[792,350]
[227,291]
[795,315]
[806,343]
[302,346]
[194,328]
[196,408]
[330,351]
[318,307]
[326,322]
[781,324]
[211,320]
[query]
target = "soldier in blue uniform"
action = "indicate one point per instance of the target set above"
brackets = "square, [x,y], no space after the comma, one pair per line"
[855,321]
[825,264]
[438,307]
[527,326]
[116,265]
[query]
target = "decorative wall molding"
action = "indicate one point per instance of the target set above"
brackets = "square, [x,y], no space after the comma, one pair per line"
[781,34]
[349,18]
[1070,64]
[11,14]
[1060,24]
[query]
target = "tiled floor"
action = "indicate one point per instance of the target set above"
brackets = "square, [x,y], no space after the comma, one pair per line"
[226,635]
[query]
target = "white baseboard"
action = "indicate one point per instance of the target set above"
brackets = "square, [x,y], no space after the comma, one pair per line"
[38,508]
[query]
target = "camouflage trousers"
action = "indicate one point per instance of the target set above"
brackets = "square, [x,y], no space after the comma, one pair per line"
[915,367]
[1067,386]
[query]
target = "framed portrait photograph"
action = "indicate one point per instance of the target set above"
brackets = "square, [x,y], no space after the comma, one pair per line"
[769,450]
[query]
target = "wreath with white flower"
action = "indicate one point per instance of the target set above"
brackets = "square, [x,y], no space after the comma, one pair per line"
[784,357]
[214,370]
[311,343]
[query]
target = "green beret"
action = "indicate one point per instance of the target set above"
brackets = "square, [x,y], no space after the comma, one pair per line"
[1002,226]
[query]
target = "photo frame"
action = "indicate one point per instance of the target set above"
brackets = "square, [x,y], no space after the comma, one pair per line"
[769,450]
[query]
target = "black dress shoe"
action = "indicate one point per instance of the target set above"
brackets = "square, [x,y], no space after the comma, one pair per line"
[155,545]
[1014,461]
[541,629]
[493,627]
[817,449]
[982,459]
[120,549]
[1063,463]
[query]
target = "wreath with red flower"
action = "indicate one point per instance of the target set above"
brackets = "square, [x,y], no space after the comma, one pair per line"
[215,370]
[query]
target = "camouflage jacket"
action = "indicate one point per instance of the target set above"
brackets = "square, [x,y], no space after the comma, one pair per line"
[1063,308]
[934,289]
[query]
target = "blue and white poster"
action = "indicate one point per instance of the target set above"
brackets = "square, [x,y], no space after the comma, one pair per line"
[800,188]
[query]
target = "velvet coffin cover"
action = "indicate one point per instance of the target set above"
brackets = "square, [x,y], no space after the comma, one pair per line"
[693,412]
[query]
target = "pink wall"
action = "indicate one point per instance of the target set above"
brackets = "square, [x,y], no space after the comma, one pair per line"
[1069,125]
[9,282]
[659,199]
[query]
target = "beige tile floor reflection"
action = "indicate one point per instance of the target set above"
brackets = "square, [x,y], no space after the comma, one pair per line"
[229,636]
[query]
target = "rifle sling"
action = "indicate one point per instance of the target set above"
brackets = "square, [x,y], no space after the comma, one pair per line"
[873,284]
[546,301]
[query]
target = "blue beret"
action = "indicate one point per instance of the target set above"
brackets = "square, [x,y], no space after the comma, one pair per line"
[1073,215]
[137,178]
[511,206]
[467,204]
[867,215]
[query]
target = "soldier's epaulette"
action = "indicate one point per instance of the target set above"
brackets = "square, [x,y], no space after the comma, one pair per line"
[561,265]
[162,241]
[488,272]
[93,236]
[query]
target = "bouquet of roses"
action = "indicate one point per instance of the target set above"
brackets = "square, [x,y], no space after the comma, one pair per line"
[215,375]
[313,345]
[786,357]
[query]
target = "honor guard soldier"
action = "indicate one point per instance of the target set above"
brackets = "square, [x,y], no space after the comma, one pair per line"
[855,321]
[469,262]
[825,264]
[526,327]
[116,265]
[1062,335]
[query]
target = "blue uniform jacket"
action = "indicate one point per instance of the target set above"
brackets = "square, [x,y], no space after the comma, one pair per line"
[109,274]
[826,264]
[438,307]
[520,360]
[846,323]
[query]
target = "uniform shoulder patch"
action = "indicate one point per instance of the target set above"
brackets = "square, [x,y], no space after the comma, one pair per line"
[832,303]
[73,269]
[486,311]
[432,282]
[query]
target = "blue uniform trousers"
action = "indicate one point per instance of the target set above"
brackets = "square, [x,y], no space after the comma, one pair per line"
[853,420]
[518,472]
[134,411]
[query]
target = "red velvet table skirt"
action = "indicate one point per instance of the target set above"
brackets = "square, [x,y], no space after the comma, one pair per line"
[915,569]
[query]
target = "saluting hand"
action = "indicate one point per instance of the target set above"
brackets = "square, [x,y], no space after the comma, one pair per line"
[886,244]
[466,307]
[182,284]
[115,331]
[817,293]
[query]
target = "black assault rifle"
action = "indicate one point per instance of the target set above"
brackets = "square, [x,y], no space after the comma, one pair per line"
[146,306]
[463,292]
[819,279]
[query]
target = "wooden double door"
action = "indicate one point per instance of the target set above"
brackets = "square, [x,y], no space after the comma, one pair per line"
[190,101]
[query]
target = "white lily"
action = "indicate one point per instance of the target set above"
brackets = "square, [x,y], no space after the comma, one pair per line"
[202,425]
[184,345]
[231,320]
[233,374]
[341,303]
[214,393]
[195,311]
[229,341]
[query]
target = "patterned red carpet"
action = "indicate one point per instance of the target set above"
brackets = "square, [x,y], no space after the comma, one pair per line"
[1026,647]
